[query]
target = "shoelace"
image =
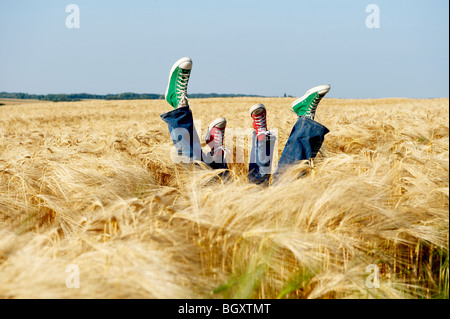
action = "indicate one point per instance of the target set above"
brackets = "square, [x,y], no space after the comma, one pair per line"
[218,140]
[312,110]
[218,137]
[225,151]
[260,123]
[263,133]
[183,99]
[181,87]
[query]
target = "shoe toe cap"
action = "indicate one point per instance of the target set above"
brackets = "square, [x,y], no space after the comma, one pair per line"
[187,65]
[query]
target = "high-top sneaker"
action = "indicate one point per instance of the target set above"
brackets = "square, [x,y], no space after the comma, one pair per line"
[215,138]
[176,92]
[258,114]
[307,105]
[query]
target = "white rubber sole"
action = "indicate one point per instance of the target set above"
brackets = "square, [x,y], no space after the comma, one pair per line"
[255,107]
[174,66]
[220,122]
[321,89]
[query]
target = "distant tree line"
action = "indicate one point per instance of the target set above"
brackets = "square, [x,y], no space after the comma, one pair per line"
[80,96]
[120,96]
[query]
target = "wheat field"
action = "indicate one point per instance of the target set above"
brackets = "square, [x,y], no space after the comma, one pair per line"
[91,185]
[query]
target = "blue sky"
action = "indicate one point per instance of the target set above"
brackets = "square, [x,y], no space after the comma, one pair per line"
[248,47]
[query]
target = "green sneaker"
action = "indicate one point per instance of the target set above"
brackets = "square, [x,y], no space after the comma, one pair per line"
[176,92]
[307,105]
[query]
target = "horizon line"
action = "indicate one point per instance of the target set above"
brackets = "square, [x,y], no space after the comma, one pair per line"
[221,95]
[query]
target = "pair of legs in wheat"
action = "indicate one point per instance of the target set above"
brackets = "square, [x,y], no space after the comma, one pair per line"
[304,142]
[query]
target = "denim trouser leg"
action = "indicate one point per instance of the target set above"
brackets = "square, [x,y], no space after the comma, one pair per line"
[185,138]
[260,167]
[304,142]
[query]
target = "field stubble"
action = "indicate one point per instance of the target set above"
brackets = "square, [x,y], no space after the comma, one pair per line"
[91,184]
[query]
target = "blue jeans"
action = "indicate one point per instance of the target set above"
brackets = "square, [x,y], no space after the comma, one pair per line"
[304,142]
[186,140]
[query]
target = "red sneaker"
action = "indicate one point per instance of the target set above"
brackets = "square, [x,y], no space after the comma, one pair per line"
[215,134]
[258,114]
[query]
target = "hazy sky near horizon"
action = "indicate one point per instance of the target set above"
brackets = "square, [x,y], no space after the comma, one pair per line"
[242,47]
